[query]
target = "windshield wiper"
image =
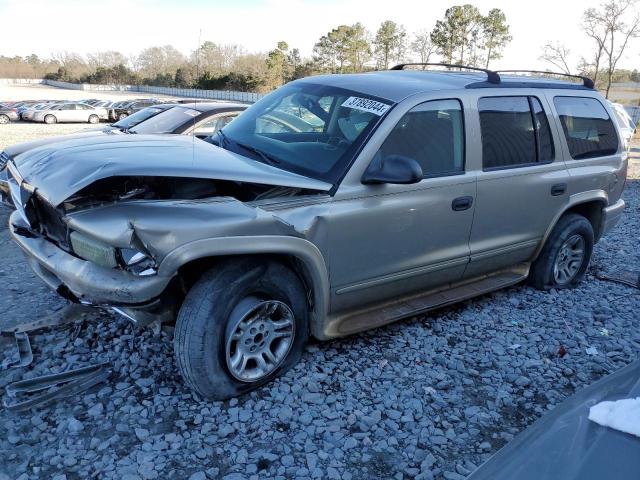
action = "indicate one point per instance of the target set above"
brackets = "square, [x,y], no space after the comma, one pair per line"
[224,138]
[266,158]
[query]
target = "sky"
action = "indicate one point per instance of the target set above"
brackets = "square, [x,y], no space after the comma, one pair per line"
[45,27]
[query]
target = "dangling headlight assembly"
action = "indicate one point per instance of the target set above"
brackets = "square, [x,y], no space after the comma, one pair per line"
[137,262]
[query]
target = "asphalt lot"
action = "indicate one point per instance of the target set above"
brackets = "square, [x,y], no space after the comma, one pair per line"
[429,397]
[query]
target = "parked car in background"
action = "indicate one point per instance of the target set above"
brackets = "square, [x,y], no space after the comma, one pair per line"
[71,112]
[27,115]
[102,104]
[391,194]
[8,114]
[24,107]
[199,119]
[625,123]
[132,107]
[112,109]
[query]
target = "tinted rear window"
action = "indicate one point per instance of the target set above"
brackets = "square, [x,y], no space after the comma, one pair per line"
[587,127]
[515,132]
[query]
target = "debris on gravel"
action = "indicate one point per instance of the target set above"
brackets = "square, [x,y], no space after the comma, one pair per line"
[430,397]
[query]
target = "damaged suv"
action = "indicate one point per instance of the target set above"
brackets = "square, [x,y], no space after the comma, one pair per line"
[333,205]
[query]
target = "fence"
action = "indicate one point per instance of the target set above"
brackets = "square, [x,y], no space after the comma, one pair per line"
[20,81]
[246,97]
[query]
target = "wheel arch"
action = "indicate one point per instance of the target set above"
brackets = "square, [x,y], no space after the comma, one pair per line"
[302,256]
[588,204]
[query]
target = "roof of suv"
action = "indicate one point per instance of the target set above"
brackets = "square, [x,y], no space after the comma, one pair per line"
[396,85]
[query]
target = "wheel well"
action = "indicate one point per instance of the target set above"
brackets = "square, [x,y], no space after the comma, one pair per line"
[592,211]
[190,272]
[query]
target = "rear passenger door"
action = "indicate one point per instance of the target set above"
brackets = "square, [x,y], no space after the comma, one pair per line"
[522,185]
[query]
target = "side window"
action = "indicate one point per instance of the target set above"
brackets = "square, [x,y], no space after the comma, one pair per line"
[544,142]
[433,134]
[211,126]
[587,127]
[508,137]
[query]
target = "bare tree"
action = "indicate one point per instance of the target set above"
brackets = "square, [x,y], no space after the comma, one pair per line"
[423,46]
[595,30]
[612,18]
[557,54]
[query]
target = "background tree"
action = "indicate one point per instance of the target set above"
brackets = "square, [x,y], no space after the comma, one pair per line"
[389,43]
[278,66]
[457,36]
[495,33]
[344,49]
[422,46]
[358,47]
[595,29]
[557,54]
[619,32]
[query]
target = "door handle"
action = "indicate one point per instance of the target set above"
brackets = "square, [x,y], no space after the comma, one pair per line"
[558,189]
[461,203]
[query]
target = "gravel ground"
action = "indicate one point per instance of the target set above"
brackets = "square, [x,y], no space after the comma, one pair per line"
[428,397]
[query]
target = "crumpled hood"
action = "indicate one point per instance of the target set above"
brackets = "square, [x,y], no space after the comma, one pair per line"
[59,170]
[19,148]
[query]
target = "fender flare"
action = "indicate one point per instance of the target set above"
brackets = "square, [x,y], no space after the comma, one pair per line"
[574,200]
[302,249]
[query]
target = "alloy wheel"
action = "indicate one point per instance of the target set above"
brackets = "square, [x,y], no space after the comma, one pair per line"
[569,260]
[259,335]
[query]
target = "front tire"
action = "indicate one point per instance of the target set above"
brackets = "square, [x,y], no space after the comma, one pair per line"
[240,326]
[122,116]
[4,119]
[50,119]
[93,119]
[565,257]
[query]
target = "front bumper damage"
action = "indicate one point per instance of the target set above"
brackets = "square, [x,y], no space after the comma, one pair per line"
[136,297]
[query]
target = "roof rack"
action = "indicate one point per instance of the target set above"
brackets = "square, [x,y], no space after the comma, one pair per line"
[492,77]
[586,81]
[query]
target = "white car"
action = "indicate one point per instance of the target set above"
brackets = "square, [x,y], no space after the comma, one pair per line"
[625,123]
[71,112]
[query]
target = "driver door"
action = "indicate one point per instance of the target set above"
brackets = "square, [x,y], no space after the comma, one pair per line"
[392,240]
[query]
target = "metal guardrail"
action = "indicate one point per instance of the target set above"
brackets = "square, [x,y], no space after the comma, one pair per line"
[229,95]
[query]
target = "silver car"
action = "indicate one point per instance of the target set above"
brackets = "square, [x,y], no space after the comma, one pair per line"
[334,205]
[71,112]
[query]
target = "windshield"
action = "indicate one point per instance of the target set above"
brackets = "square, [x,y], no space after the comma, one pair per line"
[167,121]
[138,117]
[313,130]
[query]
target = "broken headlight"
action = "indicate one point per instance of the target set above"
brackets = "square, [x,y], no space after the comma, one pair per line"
[93,250]
[137,262]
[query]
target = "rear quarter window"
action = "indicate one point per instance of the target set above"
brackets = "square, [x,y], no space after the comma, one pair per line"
[587,127]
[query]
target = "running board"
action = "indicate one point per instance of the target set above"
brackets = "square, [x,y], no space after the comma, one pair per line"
[423,302]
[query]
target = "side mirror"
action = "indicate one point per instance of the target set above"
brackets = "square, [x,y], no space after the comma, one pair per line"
[396,169]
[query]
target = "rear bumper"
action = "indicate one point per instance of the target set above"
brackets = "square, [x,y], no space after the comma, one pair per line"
[87,282]
[611,215]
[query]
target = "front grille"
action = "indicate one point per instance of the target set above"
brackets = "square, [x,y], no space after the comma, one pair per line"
[4,158]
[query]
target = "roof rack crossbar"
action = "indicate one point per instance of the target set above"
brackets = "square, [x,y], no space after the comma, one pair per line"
[492,77]
[586,81]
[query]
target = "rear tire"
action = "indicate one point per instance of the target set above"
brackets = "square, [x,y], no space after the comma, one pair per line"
[240,326]
[94,119]
[122,116]
[50,119]
[4,119]
[565,257]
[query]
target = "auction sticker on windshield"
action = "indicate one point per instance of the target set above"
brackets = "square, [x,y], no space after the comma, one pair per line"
[366,105]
